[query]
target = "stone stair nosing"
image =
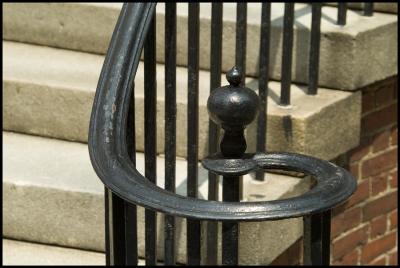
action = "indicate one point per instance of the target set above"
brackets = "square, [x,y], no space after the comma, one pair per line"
[389,7]
[25,253]
[352,56]
[49,92]
[52,195]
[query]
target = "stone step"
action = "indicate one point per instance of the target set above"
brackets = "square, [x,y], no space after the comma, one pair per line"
[389,7]
[351,56]
[25,253]
[52,195]
[49,92]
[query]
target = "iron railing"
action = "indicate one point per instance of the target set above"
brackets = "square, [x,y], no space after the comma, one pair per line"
[112,140]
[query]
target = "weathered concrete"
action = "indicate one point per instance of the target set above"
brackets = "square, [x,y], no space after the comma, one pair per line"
[378,6]
[49,92]
[52,195]
[24,253]
[362,52]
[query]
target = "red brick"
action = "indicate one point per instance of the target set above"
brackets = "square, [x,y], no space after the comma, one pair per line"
[351,218]
[379,163]
[377,247]
[349,242]
[380,206]
[336,225]
[368,102]
[354,170]
[393,179]
[348,259]
[393,258]
[358,153]
[379,119]
[378,226]
[393,220]
[394,136]
[381,141]
[378,184]
[339,209]
[378,261]
[360,194]
[384,96]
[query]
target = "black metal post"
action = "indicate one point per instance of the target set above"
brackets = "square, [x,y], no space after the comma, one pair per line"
[368,9]
[213,133]
[317,238]
[150,141]
[342,13]
[287,51]
[233,107]
[263,80]
[313,66]
[193,226]
[170,126]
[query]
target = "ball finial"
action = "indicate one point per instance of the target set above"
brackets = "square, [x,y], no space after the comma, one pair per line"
[234,76]
[233,106]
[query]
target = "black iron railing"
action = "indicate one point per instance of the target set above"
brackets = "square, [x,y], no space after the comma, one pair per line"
[112,140]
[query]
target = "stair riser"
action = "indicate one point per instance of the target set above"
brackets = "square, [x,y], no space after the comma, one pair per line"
[344,50]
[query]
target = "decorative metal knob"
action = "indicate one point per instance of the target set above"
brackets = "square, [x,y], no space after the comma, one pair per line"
[233,107]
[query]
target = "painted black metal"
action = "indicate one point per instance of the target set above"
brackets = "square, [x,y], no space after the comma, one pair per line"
[170,125]
[263,80]
[230,229]
[111,148]
[326,236]
[233,107]
[313,66]
[193,226]
[342,13]
[287,53]
[117,238]
[213,134]
[150,138]
[368,9]
[241,37]
[316,239]
[131,250]
[107,227]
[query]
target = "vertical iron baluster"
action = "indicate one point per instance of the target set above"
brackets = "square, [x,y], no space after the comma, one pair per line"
[342,13]
[230,230]
[313,65]
[312,239]
[213,134]
[368,9]
[241,34]
[326,237]
[193,226]
[117,228]
[233,145]
[150,138]
[107,226]
[170,125]
[131,253]
[263,80]
[287,51]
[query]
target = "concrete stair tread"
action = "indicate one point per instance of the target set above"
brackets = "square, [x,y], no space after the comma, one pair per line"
[52,195]
[345,51]
[26,253]
[40,79]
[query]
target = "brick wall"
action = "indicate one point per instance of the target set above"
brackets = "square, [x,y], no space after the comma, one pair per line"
[364,229]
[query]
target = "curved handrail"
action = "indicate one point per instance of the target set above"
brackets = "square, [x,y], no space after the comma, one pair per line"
[109,156]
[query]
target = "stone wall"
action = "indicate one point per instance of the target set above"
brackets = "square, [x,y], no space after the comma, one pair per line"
[364,229]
